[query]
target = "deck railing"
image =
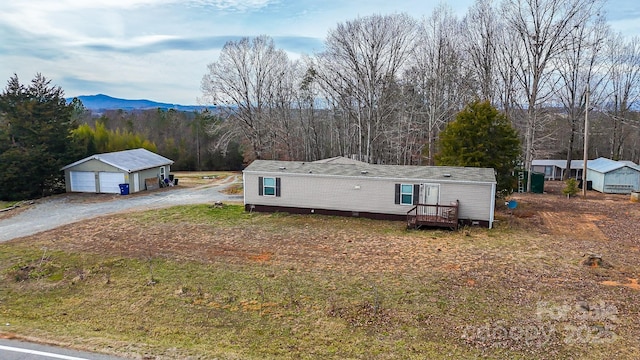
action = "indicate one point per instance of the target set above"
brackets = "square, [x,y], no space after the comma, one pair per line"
[434,215]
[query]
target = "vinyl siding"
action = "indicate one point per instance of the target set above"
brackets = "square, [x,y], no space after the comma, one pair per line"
[98,166]
[475,199]
[149,173]
[94,165]
[361,194]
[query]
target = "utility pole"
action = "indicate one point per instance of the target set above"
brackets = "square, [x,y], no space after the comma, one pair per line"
[586,144]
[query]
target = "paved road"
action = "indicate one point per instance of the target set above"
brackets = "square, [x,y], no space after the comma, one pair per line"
[19,350]
[50,213]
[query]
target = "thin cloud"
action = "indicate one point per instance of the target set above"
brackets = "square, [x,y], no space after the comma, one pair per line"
[40,47]
[160,48]
[295,44]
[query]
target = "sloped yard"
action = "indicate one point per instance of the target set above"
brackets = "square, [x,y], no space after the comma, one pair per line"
[216,282]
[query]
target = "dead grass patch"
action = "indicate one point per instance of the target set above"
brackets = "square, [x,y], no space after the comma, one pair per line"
[235,285]
[200,178]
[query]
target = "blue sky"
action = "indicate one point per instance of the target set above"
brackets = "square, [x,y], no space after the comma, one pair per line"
[159,49]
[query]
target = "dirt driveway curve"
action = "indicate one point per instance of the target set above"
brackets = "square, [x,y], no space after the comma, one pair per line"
[47,214]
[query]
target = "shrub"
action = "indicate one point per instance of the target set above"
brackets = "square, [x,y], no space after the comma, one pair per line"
[571,187]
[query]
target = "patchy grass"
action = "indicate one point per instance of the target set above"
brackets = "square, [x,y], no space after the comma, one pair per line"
[234,189]
[204,213]
[246,311]
[6,204]
[212,282]
[197,178]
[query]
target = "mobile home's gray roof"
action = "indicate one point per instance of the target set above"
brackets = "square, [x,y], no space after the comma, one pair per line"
[604,165]
[128,160]
[364,170]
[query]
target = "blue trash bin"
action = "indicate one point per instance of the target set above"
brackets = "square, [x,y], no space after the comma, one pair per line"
[124,189]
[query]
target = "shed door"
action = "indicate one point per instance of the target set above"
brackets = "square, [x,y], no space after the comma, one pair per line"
[82,181]
[110,182]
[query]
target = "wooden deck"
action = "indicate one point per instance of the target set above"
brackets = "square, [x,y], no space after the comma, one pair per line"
[423,215]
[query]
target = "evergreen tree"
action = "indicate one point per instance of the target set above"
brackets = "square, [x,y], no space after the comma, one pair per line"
[481,136]
[35,125]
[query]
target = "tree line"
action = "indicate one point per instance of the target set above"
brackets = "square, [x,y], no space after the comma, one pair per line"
[35,139]
[190,139]
[383,90]
[40,132]
[385,86]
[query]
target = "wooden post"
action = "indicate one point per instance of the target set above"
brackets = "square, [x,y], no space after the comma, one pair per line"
[586,145]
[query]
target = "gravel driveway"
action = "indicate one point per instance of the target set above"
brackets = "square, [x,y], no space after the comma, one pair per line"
[47,214]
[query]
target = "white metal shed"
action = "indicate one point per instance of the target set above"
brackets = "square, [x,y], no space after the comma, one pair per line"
[613,177]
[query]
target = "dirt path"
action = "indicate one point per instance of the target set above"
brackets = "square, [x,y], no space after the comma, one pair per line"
[571,224]
[599,217]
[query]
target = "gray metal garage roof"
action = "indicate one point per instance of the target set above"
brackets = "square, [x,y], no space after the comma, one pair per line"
[364,170]
[604,165]
[128,160]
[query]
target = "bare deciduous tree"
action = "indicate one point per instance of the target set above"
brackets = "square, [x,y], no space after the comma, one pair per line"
[624,87]
[362,58]
[385,85]
[437,75]
[580,70]
[243,82]
[481,33]
[543,28]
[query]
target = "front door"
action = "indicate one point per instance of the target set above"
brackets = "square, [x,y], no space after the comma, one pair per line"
[430,194]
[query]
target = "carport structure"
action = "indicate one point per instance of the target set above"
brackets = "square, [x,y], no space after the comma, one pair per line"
[103,173]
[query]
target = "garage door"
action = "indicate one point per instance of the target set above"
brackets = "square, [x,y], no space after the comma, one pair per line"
[82,181]
[110,182]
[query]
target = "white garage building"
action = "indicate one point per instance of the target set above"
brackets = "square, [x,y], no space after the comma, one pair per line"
[613,177]
[103,173]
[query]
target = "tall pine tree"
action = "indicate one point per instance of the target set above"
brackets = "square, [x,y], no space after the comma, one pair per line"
[481,136]
[35,142]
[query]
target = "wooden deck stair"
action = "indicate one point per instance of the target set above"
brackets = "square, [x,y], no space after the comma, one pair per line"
[423,215]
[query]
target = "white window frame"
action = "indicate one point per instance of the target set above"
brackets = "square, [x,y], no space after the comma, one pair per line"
[162,173]
[265,186]
[402,193]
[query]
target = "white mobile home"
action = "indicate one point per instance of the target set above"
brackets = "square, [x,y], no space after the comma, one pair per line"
[613,177]
[366,190]
[555,169]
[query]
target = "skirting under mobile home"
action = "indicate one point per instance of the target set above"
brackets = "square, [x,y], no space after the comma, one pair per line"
[466,195]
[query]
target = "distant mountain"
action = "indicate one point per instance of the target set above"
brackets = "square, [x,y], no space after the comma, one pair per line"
[102,102]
